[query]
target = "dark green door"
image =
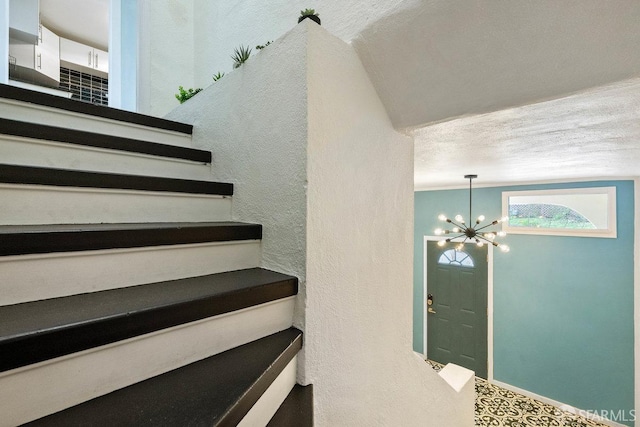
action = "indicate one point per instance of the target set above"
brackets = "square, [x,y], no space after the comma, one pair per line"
[457,318]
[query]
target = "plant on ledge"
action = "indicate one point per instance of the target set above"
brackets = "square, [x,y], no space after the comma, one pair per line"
[262,46]
[311,14]
[218,76]
[240,55]
[184,95]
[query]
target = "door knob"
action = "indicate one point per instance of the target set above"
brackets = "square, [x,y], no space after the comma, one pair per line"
[431,310]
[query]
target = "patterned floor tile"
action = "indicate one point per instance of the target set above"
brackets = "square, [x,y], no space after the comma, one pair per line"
[499,407]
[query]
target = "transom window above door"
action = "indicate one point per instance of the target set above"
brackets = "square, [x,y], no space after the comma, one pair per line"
[583,212]
[454,257]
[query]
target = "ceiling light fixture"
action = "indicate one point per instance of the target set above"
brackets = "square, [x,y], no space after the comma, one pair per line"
[471,232]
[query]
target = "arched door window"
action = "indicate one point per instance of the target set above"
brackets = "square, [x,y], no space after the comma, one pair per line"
[453,257]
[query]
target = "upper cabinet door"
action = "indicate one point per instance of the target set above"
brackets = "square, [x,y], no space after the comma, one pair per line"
[76,53]
[101,60]
[48,54]
[83,55]
[24,19]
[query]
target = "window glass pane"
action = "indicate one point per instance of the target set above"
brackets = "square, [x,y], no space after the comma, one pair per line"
[453,257]
[584,211]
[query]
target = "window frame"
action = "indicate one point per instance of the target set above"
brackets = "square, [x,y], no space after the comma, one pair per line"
[610,232]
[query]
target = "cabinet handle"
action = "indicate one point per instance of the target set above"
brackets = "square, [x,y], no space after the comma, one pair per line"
[40,61]
[96,64]
[89,59]
[40,33]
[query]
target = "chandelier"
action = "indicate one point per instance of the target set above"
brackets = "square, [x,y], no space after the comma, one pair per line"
[472,232]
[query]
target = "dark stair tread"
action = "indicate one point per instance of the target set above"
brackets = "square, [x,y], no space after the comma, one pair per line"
[12,174]
[48,100]
[99,140]
[40,330]
[296,410]
[217,391]
[32,239]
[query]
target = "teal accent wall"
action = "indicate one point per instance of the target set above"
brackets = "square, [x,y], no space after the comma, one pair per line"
[563,306]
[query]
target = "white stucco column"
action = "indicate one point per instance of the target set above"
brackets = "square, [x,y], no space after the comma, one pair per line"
[4,41]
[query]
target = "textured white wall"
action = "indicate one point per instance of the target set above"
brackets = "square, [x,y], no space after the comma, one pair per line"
[187,42]
[301,132]
[360,257]
[253,120]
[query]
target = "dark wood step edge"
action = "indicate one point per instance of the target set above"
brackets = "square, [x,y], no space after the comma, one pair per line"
[296,410]
[53,101]
[98,140]
[32,175]
[86,239]
[270,355]
[62,340]
[236,413]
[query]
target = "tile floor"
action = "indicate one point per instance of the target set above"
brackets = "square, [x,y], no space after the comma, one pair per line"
[497,407]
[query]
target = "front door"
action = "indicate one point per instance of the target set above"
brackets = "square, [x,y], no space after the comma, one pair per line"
[457,315]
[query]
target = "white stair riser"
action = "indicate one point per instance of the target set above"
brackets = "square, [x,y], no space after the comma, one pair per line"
[265,408]
[34,277]
[16,110]
[38,390]
[34,152]
[32,204]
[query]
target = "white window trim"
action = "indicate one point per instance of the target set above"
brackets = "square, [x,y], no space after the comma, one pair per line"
[610,232]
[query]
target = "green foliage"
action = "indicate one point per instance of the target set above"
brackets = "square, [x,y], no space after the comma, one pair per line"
[184,95]
[240,55]
[262,46]
[308,12]
[218,76]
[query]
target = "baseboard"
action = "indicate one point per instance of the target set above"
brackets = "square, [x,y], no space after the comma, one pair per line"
[562,406]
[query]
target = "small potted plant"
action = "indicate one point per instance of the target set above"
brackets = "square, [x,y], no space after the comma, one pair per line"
[184,95]
[240,55]
[309,13]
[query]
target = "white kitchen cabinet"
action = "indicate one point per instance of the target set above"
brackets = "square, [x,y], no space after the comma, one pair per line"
[44,58]
[24,20]
[83,55]
[47,54]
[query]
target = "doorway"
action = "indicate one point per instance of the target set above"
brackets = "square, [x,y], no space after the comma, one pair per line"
[83,49]
[457,306]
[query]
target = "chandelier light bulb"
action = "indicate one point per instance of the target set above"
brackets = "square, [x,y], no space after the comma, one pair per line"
[459,218]
[481,218]
[504,219]
[442,217]
[460,247]
[441,243]
[502,233]
[504,248]
[479,243]
[438,231]
[490,236]
[456,230]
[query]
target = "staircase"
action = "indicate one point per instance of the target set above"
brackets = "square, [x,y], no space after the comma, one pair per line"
[128,296]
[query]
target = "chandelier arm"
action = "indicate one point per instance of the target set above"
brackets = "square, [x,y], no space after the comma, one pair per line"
[459,226]
[454,238]
[488,241]
[488,225]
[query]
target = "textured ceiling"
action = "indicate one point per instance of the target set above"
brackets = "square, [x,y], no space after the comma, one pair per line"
[594,134]
[438,59]
[505,89]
